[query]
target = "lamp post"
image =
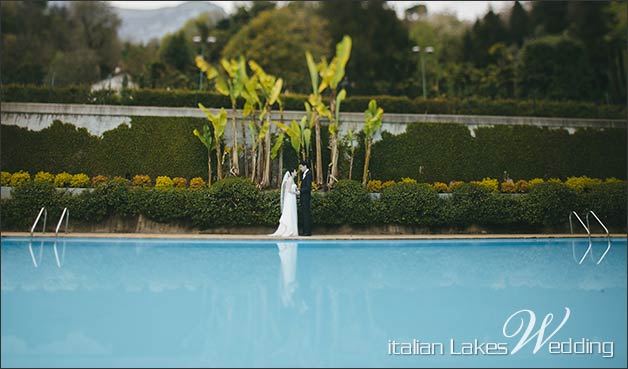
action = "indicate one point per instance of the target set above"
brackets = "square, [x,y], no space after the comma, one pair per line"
[429,50]
[198,40]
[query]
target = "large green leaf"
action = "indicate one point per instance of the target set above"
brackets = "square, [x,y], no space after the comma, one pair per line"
[222,87]
[204,66]
[343,52]
[339,98]
[311,66]
[263,131]
[274,94]
[277,146]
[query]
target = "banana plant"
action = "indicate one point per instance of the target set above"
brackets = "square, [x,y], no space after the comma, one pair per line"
[232,87]
[219,122]
[372,122]
[350,141]
[207,140]
[331,75]
[299,135]
[251,103]
[270,88]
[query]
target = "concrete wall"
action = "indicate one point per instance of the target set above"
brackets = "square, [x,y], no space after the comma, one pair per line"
[100,118]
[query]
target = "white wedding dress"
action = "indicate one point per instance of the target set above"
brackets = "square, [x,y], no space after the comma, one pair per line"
[288,223]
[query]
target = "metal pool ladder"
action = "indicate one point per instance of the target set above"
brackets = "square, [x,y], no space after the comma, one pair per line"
[587,228]
[66,215]
[608,236]
[43,229]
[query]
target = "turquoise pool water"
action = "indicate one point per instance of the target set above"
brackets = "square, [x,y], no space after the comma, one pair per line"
[121,302]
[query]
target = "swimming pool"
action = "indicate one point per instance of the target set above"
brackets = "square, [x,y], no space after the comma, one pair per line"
[186,303]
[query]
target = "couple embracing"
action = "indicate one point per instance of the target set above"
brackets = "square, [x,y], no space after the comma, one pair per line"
[288,223]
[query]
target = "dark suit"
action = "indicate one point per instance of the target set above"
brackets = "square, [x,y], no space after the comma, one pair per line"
[306,196]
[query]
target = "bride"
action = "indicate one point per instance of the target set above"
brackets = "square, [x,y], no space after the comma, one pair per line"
[288,226]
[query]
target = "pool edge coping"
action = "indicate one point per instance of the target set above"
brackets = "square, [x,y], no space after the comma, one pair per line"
[208,236]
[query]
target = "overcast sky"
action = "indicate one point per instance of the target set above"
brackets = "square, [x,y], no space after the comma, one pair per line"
[466,10]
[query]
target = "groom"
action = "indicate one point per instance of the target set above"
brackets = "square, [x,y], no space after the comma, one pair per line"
[306,195]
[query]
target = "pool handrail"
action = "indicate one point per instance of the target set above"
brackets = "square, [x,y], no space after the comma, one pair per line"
[43,229]
[608,235]
[586,229]
[66,215]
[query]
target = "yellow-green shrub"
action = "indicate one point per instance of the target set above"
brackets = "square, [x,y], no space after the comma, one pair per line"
[488,183]
[522,186]
[454,184]
[555,180]
[141,180]
[535,181]
[98,180]
[582,184]
[19,178]
[388,184]
[79,180]
[374,185]
[508,187]
[407,180]
[441,187]
[5,178]
[197,183]
[63,179]
[42,176]
[613,180]
[163,182]
[180,182]
[118,179]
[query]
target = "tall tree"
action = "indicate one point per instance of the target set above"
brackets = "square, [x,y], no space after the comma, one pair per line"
[98,25]
[382,57]
[519,24]
[277,39]
[176,51]
[549,17]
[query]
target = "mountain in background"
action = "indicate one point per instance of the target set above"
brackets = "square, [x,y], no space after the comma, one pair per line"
[142,25]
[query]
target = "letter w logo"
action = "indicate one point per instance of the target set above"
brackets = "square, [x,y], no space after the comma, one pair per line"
[540,333]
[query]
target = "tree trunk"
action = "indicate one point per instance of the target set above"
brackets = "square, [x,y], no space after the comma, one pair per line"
[280,176]
[350,165]
[333,173]
[246,160]
[219,164]
[209,168]
[266,177]
[235,157]
[253,161]
[333,141]
[260,152]
[367,158]
[319,158]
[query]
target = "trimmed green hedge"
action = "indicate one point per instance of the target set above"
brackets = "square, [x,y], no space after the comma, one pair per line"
[390,104]
[155,146]
[432,152]
[428,152]
[237,202]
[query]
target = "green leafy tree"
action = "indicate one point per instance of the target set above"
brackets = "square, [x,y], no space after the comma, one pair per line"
[372,122]
[519,24]
[277,40]
[553,67]
[219,122]
[269,88]
[381,60]
[175,51]
[208,141]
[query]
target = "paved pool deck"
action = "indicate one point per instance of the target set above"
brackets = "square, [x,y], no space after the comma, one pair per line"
[208,236]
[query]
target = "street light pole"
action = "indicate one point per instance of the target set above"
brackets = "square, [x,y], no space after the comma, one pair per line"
[429,50]
[209,40]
